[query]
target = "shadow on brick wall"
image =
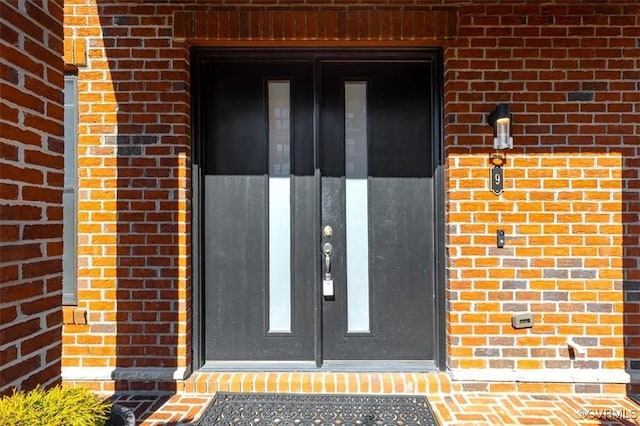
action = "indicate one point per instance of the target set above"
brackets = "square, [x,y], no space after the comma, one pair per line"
[631,264]
[151,144]
[151,141]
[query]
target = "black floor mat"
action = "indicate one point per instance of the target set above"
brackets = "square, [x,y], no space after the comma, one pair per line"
[316,410]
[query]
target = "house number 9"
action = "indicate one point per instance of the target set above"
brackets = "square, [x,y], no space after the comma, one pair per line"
[497,183]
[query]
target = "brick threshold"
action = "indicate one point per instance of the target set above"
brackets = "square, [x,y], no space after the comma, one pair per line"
[318,382]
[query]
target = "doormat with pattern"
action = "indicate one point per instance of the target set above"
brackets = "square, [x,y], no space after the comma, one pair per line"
[278,409]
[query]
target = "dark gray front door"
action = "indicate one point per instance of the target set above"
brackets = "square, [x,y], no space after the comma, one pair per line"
[375,159]
[300,153]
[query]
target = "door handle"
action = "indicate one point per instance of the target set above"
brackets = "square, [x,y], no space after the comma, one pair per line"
[327,282]
[327,248]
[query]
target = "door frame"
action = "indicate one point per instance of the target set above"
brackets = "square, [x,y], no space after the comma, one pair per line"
[199,55]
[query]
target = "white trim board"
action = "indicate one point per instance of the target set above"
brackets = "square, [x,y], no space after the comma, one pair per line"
[550,375]
[125,374]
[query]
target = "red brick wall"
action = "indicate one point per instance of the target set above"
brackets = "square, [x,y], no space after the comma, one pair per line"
[134,194]
[570,207]
[31,179]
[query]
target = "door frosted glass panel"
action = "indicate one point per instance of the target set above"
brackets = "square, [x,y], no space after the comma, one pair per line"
[279,207]
[357,227]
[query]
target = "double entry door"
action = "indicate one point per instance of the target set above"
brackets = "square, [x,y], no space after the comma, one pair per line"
[318,216]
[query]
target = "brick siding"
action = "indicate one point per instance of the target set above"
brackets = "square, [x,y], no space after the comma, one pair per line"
[31,179]
[570,206]
[134,211]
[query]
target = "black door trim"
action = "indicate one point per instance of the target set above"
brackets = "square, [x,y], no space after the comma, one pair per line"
[327,366]
[199,56]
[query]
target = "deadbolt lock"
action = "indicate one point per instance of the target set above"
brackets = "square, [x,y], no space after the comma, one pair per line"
[327,231]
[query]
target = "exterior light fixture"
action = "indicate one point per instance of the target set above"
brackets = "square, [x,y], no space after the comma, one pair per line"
[501,121]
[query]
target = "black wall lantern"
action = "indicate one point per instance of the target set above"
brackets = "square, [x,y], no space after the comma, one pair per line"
[501,121]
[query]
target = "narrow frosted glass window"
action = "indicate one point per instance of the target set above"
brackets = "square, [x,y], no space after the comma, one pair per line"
[279,207]
[357,207]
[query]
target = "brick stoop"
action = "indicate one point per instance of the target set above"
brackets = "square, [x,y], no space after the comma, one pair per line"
[454,403]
